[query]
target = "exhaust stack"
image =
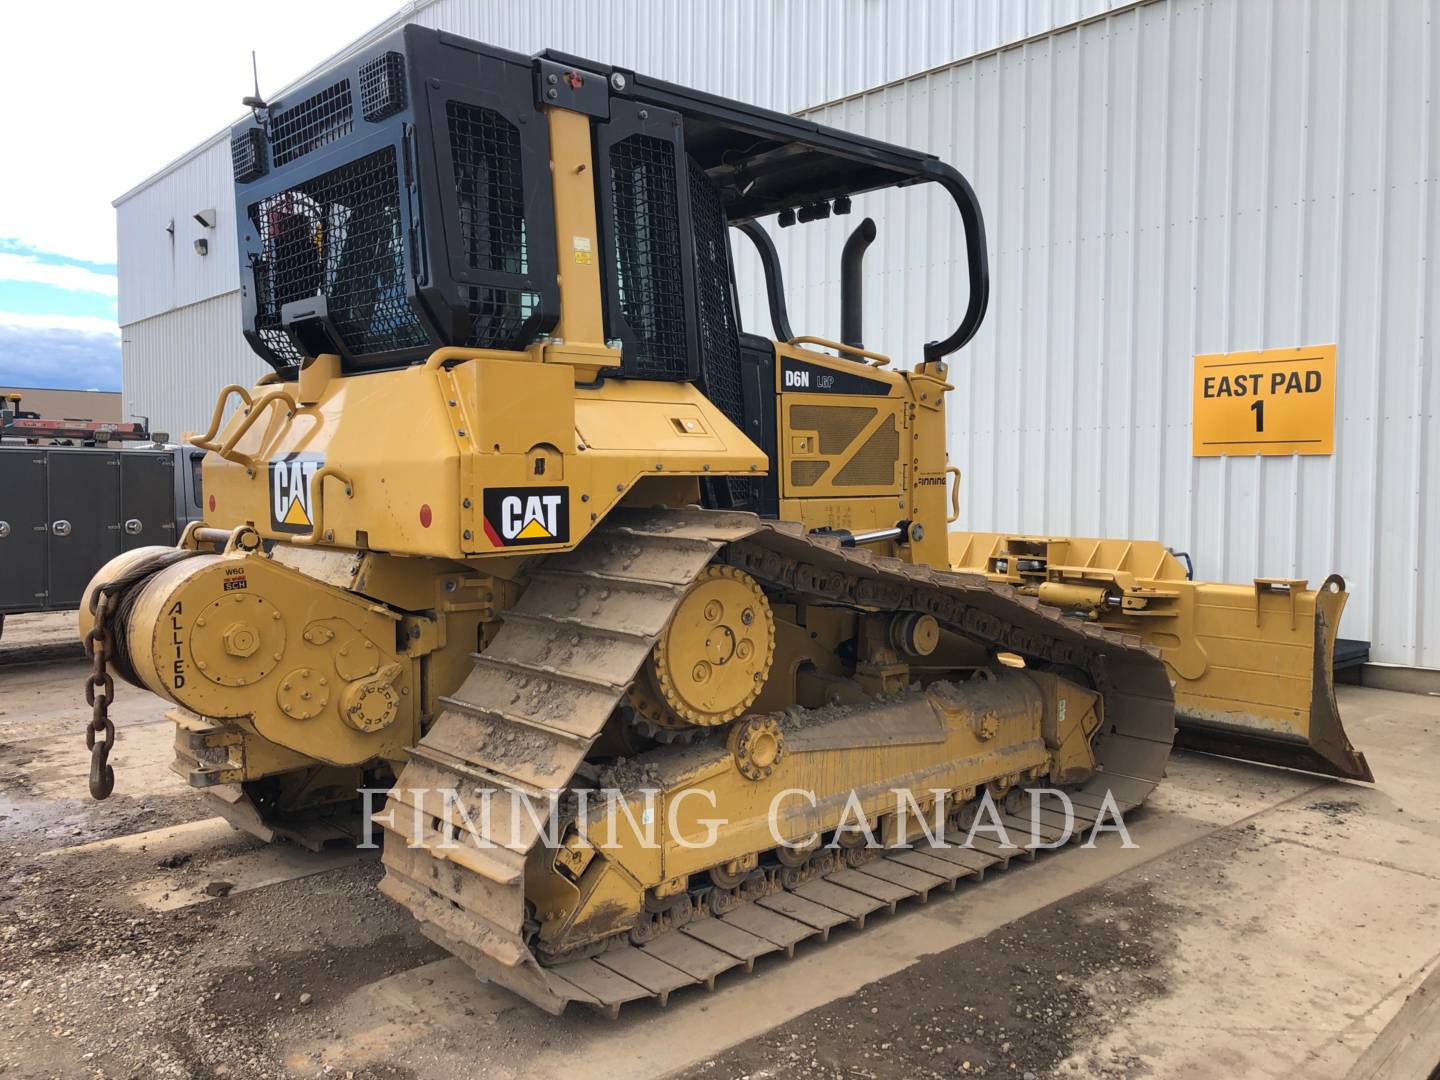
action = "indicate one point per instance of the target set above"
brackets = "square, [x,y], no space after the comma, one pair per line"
[852,287]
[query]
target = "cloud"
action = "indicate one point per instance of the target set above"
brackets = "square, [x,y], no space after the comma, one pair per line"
[62,359]
[87,325]
[61,275]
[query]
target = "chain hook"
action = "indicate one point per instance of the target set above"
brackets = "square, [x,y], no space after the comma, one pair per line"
[102,776]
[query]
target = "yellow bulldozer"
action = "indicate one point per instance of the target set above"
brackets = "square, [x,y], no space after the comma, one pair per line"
[652,627]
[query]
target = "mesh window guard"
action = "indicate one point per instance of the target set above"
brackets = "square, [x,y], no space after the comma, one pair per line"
[338,235]
[490,191]
[648,255]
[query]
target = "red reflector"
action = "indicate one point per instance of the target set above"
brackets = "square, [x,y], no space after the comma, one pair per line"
[212,502]
[425,515]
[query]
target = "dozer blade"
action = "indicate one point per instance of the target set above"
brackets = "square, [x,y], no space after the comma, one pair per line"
[1267,693]
[1252,665]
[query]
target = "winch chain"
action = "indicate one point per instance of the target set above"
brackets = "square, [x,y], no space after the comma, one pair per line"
[99,690]
[111,601]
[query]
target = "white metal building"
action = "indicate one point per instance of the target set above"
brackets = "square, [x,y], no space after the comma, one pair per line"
[1161,179]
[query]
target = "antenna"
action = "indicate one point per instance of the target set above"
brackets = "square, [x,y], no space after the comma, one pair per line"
[255,102]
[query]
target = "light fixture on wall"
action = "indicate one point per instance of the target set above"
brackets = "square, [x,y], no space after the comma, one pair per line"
[206,217]
[202,246]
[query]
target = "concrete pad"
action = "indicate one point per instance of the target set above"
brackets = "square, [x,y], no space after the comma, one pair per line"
[415,1008]
[60,767]
[1279,962]
[270,865]
[1410,1044]
[190,838]
[39,635]
[254,866]
[1310,925]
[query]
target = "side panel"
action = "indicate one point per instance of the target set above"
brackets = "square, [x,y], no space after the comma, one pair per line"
[147,499]
[840,427]
[22,529]
[424,448]
[840,446]
[84,499]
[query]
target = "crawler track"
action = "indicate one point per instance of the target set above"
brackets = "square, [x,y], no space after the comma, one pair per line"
[540,694]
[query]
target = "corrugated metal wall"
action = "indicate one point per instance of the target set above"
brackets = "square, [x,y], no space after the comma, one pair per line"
[159,268]
[1182,177]
[782,54]
[174,365]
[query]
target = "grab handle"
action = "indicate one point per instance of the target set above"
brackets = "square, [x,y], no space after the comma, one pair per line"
[254,407]
[317,504]
[954,495]
[207,441]
[847,352]
[260,405]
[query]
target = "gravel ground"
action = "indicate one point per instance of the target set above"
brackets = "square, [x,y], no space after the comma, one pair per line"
[89,987]
[1016,1003]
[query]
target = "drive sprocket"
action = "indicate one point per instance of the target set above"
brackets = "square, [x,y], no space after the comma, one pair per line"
[711,661]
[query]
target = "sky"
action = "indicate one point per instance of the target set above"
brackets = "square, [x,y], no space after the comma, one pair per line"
[100,95]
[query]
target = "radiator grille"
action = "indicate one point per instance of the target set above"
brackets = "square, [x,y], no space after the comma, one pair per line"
[648,256]
[837,425]
[874,463]
[339,235]
[382,87]
[490,189]
[317,120]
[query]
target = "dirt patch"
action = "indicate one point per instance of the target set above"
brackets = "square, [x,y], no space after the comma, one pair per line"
[631,775]
[92,986]
[30,822]
[271,994]
[1015,1003]
[1335,810]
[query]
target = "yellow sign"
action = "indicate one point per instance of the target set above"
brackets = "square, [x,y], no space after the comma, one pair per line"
[1280,401]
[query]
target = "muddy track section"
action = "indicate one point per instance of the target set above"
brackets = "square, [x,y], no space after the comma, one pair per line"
[538,697]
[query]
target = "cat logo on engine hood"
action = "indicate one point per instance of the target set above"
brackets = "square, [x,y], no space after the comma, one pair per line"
[527,515]
[290,475]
